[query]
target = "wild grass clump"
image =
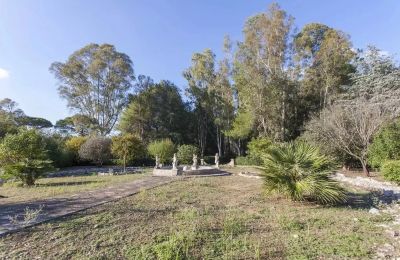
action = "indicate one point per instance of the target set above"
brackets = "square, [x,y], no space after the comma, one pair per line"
[300,172]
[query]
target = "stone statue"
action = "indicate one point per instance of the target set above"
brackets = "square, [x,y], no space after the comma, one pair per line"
[174,162]
[157,162]
[217,160]
[194,166]
[202,163]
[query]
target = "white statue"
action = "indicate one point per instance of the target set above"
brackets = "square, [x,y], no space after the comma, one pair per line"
[217,160]
[157,162]
[202,162]
[194,166]
[174,162]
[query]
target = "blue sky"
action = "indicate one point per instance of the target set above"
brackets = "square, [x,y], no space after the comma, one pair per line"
[159,36]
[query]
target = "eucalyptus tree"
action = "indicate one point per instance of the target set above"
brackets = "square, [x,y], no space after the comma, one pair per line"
[95,81]
[324,56]
[261,66]
[201,78]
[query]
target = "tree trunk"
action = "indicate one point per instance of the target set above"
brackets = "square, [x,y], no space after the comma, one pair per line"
[30,180]
[365,167]
[124,164]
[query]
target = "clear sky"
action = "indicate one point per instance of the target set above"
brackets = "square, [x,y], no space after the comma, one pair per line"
[159,35]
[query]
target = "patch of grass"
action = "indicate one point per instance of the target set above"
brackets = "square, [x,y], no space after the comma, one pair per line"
[13,192]
[204,218]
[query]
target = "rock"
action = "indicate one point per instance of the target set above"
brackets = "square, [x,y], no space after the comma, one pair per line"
[396,233]
[295,236]
[374,211]
[355,219]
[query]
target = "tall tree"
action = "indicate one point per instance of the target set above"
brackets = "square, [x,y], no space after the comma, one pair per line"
[95,81]
[157,112]
[201,78]
[324,56]
[261,64]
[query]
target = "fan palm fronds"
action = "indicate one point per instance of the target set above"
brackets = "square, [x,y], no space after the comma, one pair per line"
[300,172]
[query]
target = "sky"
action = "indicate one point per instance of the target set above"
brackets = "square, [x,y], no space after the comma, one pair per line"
[160,36]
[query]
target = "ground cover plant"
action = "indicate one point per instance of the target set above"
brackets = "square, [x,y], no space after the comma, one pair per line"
[205,218]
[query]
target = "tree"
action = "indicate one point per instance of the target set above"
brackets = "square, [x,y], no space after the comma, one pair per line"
[24,156]
[79,124]
[157,112]
[34,122]
[127,148]
[350,128]
[95,81]
[370,102]
[201,77]
[164,149]
[96,149]
[300,172]
[262,63]
[324,55]
[385,145]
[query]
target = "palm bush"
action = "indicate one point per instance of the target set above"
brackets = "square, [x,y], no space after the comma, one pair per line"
[300,172]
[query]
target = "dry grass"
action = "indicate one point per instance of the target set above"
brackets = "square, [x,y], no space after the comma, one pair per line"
[204,218]
[51,187]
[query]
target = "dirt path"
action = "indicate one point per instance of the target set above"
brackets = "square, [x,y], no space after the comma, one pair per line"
[61,206]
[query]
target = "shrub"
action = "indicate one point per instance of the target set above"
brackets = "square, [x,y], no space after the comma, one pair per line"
[246,160]
[257,147]
[391,170]
[73,145]
[96,149]
[57,151]
[385,145]
[24,156]
[185,153]
[127,148]
[164,149]
[300,172]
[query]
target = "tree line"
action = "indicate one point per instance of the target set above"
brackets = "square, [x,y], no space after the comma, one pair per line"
[277,84]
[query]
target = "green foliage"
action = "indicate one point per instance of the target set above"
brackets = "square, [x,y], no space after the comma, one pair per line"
[35,122]
[156,112]
[96,149]
[247,160]
[257,147]
[185,153]
[163,148]
[127,148]
[73,145]
[300,172]
[57,151]
[24,156]
[385,145]
[391,170]
[95,80]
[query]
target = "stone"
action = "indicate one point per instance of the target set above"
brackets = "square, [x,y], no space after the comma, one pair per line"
[374,211]
[195,162]
[185,168]
[157,162]
[202,163]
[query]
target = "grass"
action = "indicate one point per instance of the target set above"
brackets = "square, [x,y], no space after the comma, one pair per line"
[50,187]
[204,218]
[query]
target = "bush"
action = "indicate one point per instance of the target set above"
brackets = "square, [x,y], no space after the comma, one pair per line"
[73,145]
[247,160]
[391,170]
[257,147]
[96,149]
[24,156]
[300,172]
[164,149]
[185,153]
[127,148]
[57,151]
[386,145]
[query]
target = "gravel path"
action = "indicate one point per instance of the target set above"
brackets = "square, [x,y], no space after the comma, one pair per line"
[61,206]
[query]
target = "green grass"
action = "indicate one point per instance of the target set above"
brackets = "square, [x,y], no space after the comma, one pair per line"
[204,218]
[50,187]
